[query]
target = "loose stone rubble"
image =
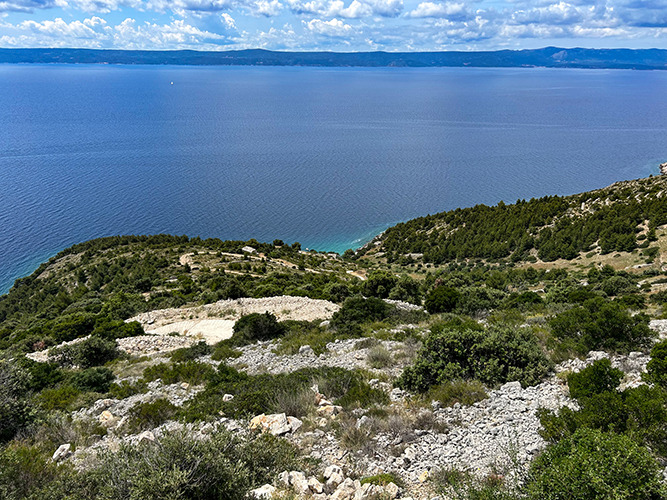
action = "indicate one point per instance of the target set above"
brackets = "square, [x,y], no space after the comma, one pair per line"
[499,434]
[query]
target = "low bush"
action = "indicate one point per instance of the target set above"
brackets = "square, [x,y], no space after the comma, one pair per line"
[656,370]
[594,379]
[144,416]
[224,350]
[256,327]
[14,399]
[300,333]
[592,464]
[464,485]
[222,466]
[442,299]
[93,380]
[23,470]
[494,356]
[600,324]
[356,310]
[126,389]
[93,351]
[191,353]
[192,372]
[639,412]
[58,398]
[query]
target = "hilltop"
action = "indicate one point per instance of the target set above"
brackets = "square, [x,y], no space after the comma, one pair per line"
[548,57]
[481,351]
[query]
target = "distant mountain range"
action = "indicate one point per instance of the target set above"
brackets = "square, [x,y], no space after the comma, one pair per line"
[550,57]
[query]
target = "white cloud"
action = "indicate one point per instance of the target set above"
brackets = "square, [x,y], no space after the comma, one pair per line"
[334,27]
[452,10]
[357,8]
[559,13]
[268,8]
[95,32]
[228,21]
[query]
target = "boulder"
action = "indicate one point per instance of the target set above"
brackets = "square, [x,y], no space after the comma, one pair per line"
[277,423]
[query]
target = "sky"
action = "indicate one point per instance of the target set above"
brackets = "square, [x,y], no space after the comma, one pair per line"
[337,25]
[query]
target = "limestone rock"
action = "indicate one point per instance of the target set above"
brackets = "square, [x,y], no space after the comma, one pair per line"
[63,451]
[263,492]
[277,423]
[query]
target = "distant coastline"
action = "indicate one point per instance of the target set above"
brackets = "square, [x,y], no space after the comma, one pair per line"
[547,57]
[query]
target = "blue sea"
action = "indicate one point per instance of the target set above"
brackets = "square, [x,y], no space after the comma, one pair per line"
[325,156]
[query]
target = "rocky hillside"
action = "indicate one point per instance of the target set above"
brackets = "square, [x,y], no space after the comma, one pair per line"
[169,367]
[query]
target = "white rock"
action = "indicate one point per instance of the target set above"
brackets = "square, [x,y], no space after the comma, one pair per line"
[146,436]
[227,397]
[277,423]
[263,492]
[63,451]
[331,470]
[295,423]
[298,482]
[391,490]
[346,490]
[315,486]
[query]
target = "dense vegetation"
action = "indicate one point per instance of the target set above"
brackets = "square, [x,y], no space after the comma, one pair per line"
[554,227]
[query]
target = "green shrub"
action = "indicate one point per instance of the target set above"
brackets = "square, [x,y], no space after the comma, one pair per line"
[594,379]
[224,350]
[126,389]
[357,310]
[257,327]
[442,299]
[42,375]
[476,300]
[116,329]
[593,465]
[300,333]
[192,372]
[497,355]
[178,467]
[191,353]
[601,324]
[94,351]
[144,416]
[14,400]
[522,300]
[464,485]
[24,470]
[58,398]
[640,413]
[93,379]
[656,370]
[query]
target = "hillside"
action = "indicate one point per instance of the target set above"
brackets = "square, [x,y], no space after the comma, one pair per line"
[549,57]
[485,352]
[623,217]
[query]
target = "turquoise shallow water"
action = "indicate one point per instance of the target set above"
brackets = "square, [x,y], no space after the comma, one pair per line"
[328,157]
